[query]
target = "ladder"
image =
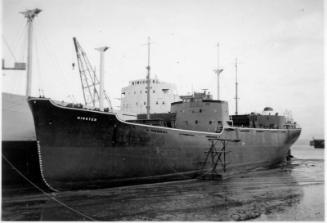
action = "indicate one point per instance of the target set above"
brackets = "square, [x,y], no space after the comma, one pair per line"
[215,156]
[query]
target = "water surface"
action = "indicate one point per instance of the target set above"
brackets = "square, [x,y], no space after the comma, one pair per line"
[292,192]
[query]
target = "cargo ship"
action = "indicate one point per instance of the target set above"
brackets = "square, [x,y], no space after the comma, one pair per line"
[79,148]
[82,147]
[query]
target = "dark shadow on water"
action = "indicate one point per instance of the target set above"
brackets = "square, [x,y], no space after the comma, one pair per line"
[242,197]
[259,194]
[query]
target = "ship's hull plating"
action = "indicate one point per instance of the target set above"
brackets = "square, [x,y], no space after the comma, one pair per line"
[81,148]
[18,141]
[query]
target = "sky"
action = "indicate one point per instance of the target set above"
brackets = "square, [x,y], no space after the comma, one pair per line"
[278,43]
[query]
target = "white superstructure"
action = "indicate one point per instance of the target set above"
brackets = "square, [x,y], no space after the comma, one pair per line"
[134,96]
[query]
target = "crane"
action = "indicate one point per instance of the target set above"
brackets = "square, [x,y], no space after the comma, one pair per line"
[89,80]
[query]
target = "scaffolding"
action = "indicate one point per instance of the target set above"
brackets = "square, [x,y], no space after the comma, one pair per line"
[215,156]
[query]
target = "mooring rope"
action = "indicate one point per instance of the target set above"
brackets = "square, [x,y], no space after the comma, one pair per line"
[47,194]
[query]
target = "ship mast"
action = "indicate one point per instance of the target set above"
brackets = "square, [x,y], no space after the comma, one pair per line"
[218,71]
[236,89]
[30,15]
[148,83]
[101,93]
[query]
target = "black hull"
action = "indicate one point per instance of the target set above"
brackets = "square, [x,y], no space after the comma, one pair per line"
[22,155]
[81,148]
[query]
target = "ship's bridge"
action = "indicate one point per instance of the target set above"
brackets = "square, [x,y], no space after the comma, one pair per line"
[134,96]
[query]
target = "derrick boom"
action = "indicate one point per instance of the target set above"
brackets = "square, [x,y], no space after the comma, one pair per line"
[89,81]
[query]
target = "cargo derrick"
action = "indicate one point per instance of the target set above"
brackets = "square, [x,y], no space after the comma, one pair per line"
[89,80]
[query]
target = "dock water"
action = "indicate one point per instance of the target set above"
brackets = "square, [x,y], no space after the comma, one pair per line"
[293,191]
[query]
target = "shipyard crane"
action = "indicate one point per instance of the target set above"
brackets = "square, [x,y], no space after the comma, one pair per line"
[89,80]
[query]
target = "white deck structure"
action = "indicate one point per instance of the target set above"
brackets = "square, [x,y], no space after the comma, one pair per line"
[134,96]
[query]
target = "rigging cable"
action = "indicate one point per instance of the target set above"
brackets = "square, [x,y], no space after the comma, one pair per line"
[10,51]
[47,194]
[21,43]
[55,61]
[37,61]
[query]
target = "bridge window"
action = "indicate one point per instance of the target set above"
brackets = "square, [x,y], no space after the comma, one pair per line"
[196,121]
